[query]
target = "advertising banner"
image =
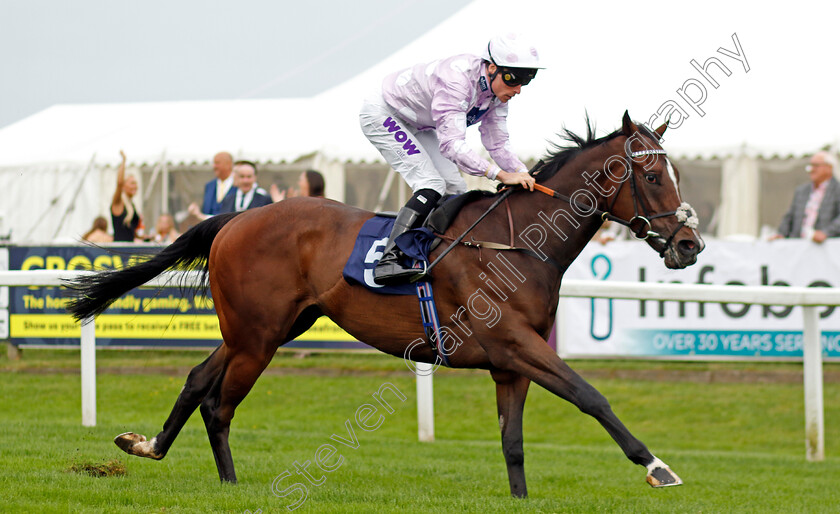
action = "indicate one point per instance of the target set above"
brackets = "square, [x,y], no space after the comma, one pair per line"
[164,317]
[604,327]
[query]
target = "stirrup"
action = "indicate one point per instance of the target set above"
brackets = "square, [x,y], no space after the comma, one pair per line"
[420,276]
[401,276]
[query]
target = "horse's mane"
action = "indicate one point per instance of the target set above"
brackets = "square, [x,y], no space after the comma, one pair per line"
[562,154]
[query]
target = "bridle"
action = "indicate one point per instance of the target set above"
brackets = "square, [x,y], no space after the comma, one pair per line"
[685,214]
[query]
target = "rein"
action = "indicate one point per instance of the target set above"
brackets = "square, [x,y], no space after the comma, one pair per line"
[482,244]
[501,246]
[455,242]
[685,214]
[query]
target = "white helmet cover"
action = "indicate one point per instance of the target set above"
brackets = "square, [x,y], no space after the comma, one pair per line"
[513,51]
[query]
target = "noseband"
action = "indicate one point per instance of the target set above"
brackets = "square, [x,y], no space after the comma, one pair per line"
[685,214]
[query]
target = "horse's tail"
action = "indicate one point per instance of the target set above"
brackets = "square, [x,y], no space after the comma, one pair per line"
[95,292]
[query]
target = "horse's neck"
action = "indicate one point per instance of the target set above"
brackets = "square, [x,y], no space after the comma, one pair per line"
[566,226]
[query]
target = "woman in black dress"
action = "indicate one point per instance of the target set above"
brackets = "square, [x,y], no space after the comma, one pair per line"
[124,216]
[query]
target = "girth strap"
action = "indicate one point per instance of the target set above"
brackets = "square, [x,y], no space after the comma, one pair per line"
[503,247]
[455,242]
[430,320]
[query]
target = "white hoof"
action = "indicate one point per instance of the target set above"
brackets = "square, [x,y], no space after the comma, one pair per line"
[660,475]
[136,444]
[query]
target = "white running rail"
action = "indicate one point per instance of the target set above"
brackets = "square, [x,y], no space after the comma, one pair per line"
[808,298]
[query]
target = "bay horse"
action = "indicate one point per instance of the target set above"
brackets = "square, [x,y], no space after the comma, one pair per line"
[274,270]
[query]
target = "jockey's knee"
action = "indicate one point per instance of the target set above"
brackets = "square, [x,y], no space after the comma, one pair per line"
[423,201]
[456,187]
[437,184]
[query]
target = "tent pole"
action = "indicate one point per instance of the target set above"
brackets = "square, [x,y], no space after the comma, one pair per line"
[155,172]
[147,193]
[386,188]
[72,204]
[164,201]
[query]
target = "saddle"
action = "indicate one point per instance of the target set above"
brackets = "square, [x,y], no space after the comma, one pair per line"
[448,207]
[446,210]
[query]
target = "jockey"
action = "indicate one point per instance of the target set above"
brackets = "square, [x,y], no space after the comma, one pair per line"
[418,122]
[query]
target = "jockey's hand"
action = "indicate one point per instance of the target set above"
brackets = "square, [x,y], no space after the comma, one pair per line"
[513,179]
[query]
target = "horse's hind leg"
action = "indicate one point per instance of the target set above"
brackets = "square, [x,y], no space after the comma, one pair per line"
[511,390]
[198,383]
[537,361]
[217,409]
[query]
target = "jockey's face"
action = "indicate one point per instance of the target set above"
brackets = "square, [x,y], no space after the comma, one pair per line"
[502,91]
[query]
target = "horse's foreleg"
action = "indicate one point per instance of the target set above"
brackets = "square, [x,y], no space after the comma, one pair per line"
[198,383]
[218,407]
[537,361]
[511,390]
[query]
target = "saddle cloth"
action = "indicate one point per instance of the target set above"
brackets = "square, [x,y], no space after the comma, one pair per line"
[370,245]
[416,243]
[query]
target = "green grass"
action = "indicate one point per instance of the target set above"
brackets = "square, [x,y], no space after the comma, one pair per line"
[739,447]
[182,360]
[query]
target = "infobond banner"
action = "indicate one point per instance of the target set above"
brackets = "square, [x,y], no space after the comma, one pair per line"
[143,317]
[602,327]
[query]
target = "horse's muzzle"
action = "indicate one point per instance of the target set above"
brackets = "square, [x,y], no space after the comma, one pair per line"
[682,252]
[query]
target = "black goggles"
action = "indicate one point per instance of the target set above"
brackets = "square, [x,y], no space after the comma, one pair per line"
[518,76]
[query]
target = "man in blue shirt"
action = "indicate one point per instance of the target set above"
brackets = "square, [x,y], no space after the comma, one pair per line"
[217,189]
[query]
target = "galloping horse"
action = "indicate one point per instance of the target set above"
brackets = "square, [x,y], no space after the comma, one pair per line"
[273,271]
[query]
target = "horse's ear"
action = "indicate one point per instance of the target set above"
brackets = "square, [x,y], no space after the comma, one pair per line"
[628,128]
[661,130]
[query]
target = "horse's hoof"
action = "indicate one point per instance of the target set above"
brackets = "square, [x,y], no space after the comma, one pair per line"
[660,475]
[136,444]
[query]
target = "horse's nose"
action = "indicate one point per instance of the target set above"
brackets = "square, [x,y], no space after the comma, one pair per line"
[690,247]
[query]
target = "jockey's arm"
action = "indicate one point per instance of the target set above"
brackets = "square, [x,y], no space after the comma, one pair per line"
[496,139]
[450,117]
[494,136]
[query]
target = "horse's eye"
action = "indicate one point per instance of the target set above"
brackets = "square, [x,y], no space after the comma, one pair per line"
[651,178]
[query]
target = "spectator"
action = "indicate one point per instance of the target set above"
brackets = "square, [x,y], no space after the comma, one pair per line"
[815,211]
[124,216]
[98,233]
[248,194]
[217,189]
[165,232]
[310,183]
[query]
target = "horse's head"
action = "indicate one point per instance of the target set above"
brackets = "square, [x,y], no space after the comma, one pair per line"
[648,195]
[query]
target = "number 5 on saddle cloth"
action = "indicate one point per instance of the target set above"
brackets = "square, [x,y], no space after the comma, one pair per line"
[416,245]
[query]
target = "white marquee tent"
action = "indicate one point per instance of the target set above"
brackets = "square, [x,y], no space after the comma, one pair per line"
[774,97]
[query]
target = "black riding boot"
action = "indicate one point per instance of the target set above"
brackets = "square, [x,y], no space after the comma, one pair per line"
[389,271]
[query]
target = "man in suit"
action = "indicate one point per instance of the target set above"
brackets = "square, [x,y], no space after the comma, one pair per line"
[815,211]
[218,189]
[248,195]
